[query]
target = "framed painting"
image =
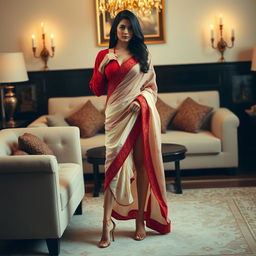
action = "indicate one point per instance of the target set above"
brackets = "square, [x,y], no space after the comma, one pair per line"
[153,26]
[27,98]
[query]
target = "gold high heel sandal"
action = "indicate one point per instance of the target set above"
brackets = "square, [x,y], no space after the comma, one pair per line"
[106,243]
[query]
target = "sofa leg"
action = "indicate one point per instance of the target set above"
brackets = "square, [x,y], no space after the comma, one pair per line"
[79,209]
[53,245]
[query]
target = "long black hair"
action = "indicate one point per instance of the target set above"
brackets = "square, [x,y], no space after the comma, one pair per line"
[136,45]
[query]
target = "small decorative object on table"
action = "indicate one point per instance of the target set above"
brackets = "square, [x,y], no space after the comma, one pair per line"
[251,111]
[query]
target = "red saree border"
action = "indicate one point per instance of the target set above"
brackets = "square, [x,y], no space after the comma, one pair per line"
[145,115]
[142,124]
[148,160]
[123,153]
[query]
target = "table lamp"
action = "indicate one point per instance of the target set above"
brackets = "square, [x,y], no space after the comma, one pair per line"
[12,70]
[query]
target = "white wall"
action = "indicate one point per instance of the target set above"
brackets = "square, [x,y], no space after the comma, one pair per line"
[74,24]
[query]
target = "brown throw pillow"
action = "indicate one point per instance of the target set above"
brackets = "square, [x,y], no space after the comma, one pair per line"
[166,114]
[33,145]
[16,151]
[19,153]
[190,116]
[88,118]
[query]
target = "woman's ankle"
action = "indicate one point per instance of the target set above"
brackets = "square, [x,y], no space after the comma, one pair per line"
[140,216]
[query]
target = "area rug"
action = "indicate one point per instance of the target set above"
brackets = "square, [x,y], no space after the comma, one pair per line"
[220,221]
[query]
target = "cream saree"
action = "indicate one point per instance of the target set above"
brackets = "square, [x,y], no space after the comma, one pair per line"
[122,128]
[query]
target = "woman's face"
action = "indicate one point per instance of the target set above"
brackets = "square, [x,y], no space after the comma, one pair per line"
[124,31]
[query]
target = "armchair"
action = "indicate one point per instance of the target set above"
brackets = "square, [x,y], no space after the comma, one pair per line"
[40,193]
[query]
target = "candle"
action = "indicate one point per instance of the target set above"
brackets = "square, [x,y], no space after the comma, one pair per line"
[232,33]
[33,41]
[42,26]
[52,40]
[212,32]
[221,19]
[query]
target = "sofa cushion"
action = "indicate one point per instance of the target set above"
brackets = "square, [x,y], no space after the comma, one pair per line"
[56,120]
[203,142]
[166,114]
[190,116]
[33,145]
[88,118]
[69,180]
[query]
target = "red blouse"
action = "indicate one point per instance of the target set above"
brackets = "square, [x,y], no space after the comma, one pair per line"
[99,82]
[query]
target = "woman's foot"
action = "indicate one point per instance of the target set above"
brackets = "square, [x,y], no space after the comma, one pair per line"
[140,232]
[107,231]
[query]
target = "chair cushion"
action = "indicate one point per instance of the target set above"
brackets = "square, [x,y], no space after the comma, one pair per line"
[88,118]
[69,180]
[33,145]
[190,116]
[56,120]
[166,113]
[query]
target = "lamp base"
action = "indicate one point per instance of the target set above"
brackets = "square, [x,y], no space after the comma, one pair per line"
[10,102]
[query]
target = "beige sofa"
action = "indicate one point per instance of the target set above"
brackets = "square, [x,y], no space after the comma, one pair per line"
[213,148]
[40,193]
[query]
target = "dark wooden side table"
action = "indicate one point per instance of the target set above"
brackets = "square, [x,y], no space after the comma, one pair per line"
[170,153]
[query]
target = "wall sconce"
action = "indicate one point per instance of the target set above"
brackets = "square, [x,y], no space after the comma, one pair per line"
[45,54]
[222,45]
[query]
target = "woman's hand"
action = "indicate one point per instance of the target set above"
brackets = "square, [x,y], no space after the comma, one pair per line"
[134,107]
[108,57]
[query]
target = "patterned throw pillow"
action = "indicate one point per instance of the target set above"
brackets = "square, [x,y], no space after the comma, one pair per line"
[33,145]
[15,151]
[88,118]
[190,116]
[19,153]
[166,114]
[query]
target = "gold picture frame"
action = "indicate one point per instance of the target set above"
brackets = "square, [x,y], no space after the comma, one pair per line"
[153,26]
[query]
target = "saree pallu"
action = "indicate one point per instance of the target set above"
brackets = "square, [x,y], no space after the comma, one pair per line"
[122,129]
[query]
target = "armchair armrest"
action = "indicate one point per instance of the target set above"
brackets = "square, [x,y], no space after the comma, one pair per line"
[28,163]
[29,189]
[224,126]
[63,141]
[39,122]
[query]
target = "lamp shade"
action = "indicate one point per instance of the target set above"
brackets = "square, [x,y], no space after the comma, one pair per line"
[253,67]
[12,68]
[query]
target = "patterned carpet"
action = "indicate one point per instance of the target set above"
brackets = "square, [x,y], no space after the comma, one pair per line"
[205,222]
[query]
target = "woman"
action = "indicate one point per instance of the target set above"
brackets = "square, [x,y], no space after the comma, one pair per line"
[134,175]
